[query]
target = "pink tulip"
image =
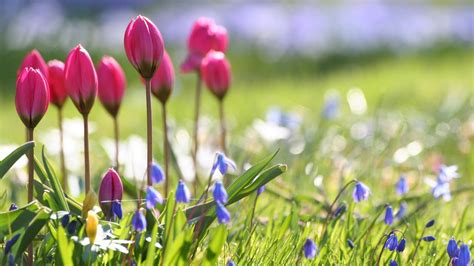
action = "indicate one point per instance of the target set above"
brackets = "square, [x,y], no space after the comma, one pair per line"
[144,46]
[163,80]
[32,96]
[80,79]
[111,189]
[205,36]
[36,61]
[111,84]
[57,89]
[216,73]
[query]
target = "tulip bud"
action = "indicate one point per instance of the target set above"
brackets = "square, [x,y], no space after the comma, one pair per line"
[57,89]
[32,96]
[35,61]
[111,84]
[163,79]
[92,222]
[215,70]
[111,189]
[144,46]
[205,36]
[80,79]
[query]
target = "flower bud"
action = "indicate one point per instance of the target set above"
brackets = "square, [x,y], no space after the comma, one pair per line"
[216,73]
[111,84]
[163,79]
[111,189]
[35,61]
[92,222]
[57,89]
[80,79]
[32,96]
[144,46]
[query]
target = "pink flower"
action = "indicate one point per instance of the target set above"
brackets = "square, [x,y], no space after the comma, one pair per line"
[111,189]
[216,73]
[144,46]
[35,61]
[163,80]
[205,36]
[32,96]
[57,89]
[80,79]
[111,84]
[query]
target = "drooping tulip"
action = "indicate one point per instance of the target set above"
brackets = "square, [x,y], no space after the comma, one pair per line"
[34,60]
[216,73]
[163,79]
[57,88]
[111,189]
[81,79]
[111,84]
[144,46]
[32,96]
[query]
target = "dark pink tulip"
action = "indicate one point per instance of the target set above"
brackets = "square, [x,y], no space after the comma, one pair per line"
[144,46]
[205,36]
[80,79]
[216,73]
[163,80]
[57,89]
[111,84]
[111,189]
[36,61]
[32,96]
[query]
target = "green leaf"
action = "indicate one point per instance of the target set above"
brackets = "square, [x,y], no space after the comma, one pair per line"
[55,185]
[150,256]
[33,228]
[65,248]
[215,246]
[13,221]
[11,159]
[170,205]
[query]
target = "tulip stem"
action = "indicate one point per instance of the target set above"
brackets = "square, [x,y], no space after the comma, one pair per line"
[31,169]
[149,130]
[326,221]
[117,143]
[87,174]
[61,150]
[165,147]
[223,126]
[197,110]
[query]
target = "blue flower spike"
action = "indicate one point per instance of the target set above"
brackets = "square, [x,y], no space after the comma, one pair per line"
[388,215]
[182,193]
[392,242]
[453,250]
[464,256]
[157,174]
[153,197]
[219,193]
[139,221]
[309,249]
[361,192]
[222,163]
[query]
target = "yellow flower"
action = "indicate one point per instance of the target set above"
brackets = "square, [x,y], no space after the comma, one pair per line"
[91,225]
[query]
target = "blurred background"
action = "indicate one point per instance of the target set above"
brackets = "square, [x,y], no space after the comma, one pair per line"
[400,55]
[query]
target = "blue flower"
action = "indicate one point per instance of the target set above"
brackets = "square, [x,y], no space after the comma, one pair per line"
[448,173]
[402,185]
[139,221]
[157,175]
[117,208]
[260,190]
[13,207]
[430,223]
[11,260]
[71,227]
[153,197]
[220,195]
[441,189]
[231,263]
[464,255]
[401,245]
[10,243]
[309,249]
[402,210]
[388,215]
[361,192]
[283,119]
[350,243]
[341,209]
[429,238]
[182,193]
[393,263]
[392,242]
[453,250]
[65,220]
[223,215]
[331,107]
[222,163]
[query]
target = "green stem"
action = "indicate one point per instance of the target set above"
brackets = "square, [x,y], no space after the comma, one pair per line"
[117,143]
[149,130]
[165,147]
[87,174]
[417,245]
[31,168]
[61,151]
[197,106]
